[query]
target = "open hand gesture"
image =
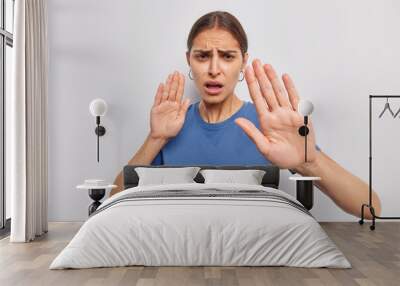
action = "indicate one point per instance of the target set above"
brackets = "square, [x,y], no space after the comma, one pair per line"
[169,111]
[278,138]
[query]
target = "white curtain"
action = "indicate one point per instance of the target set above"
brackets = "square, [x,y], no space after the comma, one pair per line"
[27,119]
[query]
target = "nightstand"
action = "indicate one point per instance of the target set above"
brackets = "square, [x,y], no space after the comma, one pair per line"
[304,190]
[96,193]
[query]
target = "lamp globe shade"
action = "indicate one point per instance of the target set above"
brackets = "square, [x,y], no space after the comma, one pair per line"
[98,107]
[305,107]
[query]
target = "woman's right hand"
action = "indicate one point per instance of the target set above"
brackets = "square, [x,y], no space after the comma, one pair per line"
[169,111]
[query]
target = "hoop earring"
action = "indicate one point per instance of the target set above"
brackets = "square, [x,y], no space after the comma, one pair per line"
[242,77]
[190,71]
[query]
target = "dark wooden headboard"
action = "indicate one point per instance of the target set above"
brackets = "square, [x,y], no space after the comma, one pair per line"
[270,179]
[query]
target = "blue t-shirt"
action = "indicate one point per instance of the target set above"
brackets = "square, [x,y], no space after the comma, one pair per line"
[203,143]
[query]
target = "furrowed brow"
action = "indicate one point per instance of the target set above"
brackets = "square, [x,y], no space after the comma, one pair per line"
[221,51]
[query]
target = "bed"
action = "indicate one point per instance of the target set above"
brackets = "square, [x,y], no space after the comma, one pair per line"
[201,223]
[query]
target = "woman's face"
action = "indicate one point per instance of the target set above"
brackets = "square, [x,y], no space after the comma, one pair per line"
[216,61]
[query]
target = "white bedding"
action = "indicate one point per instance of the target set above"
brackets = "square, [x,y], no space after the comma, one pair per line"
[181,231]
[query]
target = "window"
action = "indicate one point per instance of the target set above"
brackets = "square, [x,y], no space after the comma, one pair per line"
[6,60]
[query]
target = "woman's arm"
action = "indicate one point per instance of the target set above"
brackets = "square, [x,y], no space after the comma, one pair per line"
[144,156]
[167,116]
[345,189]
[279,141]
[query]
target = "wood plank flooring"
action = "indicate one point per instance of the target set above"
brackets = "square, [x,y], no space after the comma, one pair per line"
[374,255]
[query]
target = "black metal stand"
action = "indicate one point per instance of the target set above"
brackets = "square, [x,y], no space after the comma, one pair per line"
[96,195]
[369,205]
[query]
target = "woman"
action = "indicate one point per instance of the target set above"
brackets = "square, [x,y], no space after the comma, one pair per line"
[222,129]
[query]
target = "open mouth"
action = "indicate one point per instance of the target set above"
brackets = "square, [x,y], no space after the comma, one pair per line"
[213,88]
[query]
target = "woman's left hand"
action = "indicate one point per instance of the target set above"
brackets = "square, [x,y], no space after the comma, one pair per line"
[278,138]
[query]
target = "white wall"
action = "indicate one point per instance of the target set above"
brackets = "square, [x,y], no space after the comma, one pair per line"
[338,52]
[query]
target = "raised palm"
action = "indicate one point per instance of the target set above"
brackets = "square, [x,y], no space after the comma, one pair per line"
[169,111]
[278,138]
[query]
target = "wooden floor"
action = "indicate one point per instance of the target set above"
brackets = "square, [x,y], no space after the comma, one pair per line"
[374,255]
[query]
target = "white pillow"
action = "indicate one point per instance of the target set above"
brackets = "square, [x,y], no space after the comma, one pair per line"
[161,176]
[250,177]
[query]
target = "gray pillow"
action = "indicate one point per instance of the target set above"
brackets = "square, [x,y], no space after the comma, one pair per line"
[249,176]
[160,176]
